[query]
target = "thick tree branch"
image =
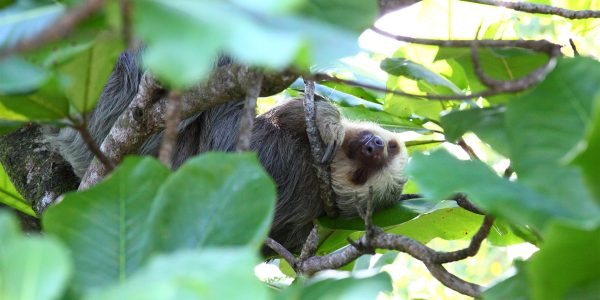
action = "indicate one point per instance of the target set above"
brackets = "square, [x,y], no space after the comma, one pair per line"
[61,28]
[39,174]
[540,9]
[146,113]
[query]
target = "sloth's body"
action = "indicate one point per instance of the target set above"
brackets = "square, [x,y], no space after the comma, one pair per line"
[368,156]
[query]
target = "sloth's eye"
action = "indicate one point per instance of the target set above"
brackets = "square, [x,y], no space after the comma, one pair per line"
[393,145]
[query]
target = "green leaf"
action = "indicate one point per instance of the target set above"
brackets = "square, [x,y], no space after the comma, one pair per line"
[567,260]
[89,70]
[219,273]
[107,227]
[488,124]
[10,196]
[215,199]
[7,127]
[354,15]
[9,228]
[33,268]
[501,64]
[515,287]
[399,66]
[183,37]
[18,76]
[347,288]
[588,158]
[440,175]
[25,19]
[546,124]
[47,103]
[397,214]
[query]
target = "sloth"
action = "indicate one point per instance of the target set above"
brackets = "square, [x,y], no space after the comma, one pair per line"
[365,155]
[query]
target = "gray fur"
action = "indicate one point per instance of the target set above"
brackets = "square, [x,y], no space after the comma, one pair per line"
[279,138]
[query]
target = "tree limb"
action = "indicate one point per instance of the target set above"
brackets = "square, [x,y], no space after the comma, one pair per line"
[146,113]
[540,9]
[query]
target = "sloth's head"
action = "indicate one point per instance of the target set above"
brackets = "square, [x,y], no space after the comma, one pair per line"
[369,156]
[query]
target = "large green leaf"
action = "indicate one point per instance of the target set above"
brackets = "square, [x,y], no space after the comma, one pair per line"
[183,37]
[355,15]
[219,273]
[26,19]
[31,267]
[10,196]
[440,175]
[546,124]
[488,124]
[215,199]
[9,228]
[47,103]
[568,259]
[18,76]
[501,64]
[107,228]
[89,70]
[589,160]
[347,287]
[399,66]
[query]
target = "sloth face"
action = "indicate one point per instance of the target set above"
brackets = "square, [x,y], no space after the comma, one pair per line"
[369,156]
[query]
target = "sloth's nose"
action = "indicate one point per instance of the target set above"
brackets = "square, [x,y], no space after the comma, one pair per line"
[374,146]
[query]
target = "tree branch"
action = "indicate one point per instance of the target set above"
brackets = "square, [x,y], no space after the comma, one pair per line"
[172,120]
[145,114]
[540,9]
[92,146]
[39,174]
[249,113]
[316,148]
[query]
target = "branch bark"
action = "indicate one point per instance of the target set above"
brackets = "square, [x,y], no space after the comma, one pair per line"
[39,174]
[146,114]
[535,8]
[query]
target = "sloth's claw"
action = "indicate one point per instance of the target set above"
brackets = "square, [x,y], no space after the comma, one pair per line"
[329,153]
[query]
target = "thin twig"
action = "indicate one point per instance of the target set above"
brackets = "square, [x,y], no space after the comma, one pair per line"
[125,6]
[249,112]
[310,246]
[310,114]
[572,43]
[93,146]
[536,45]
[486,93]
[463,202]
[172,119]
[461,142]
[282,251]
[516,85]
[541,9]
[472,249]
[61,28]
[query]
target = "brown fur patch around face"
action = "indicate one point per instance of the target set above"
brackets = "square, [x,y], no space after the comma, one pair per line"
[367,159]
